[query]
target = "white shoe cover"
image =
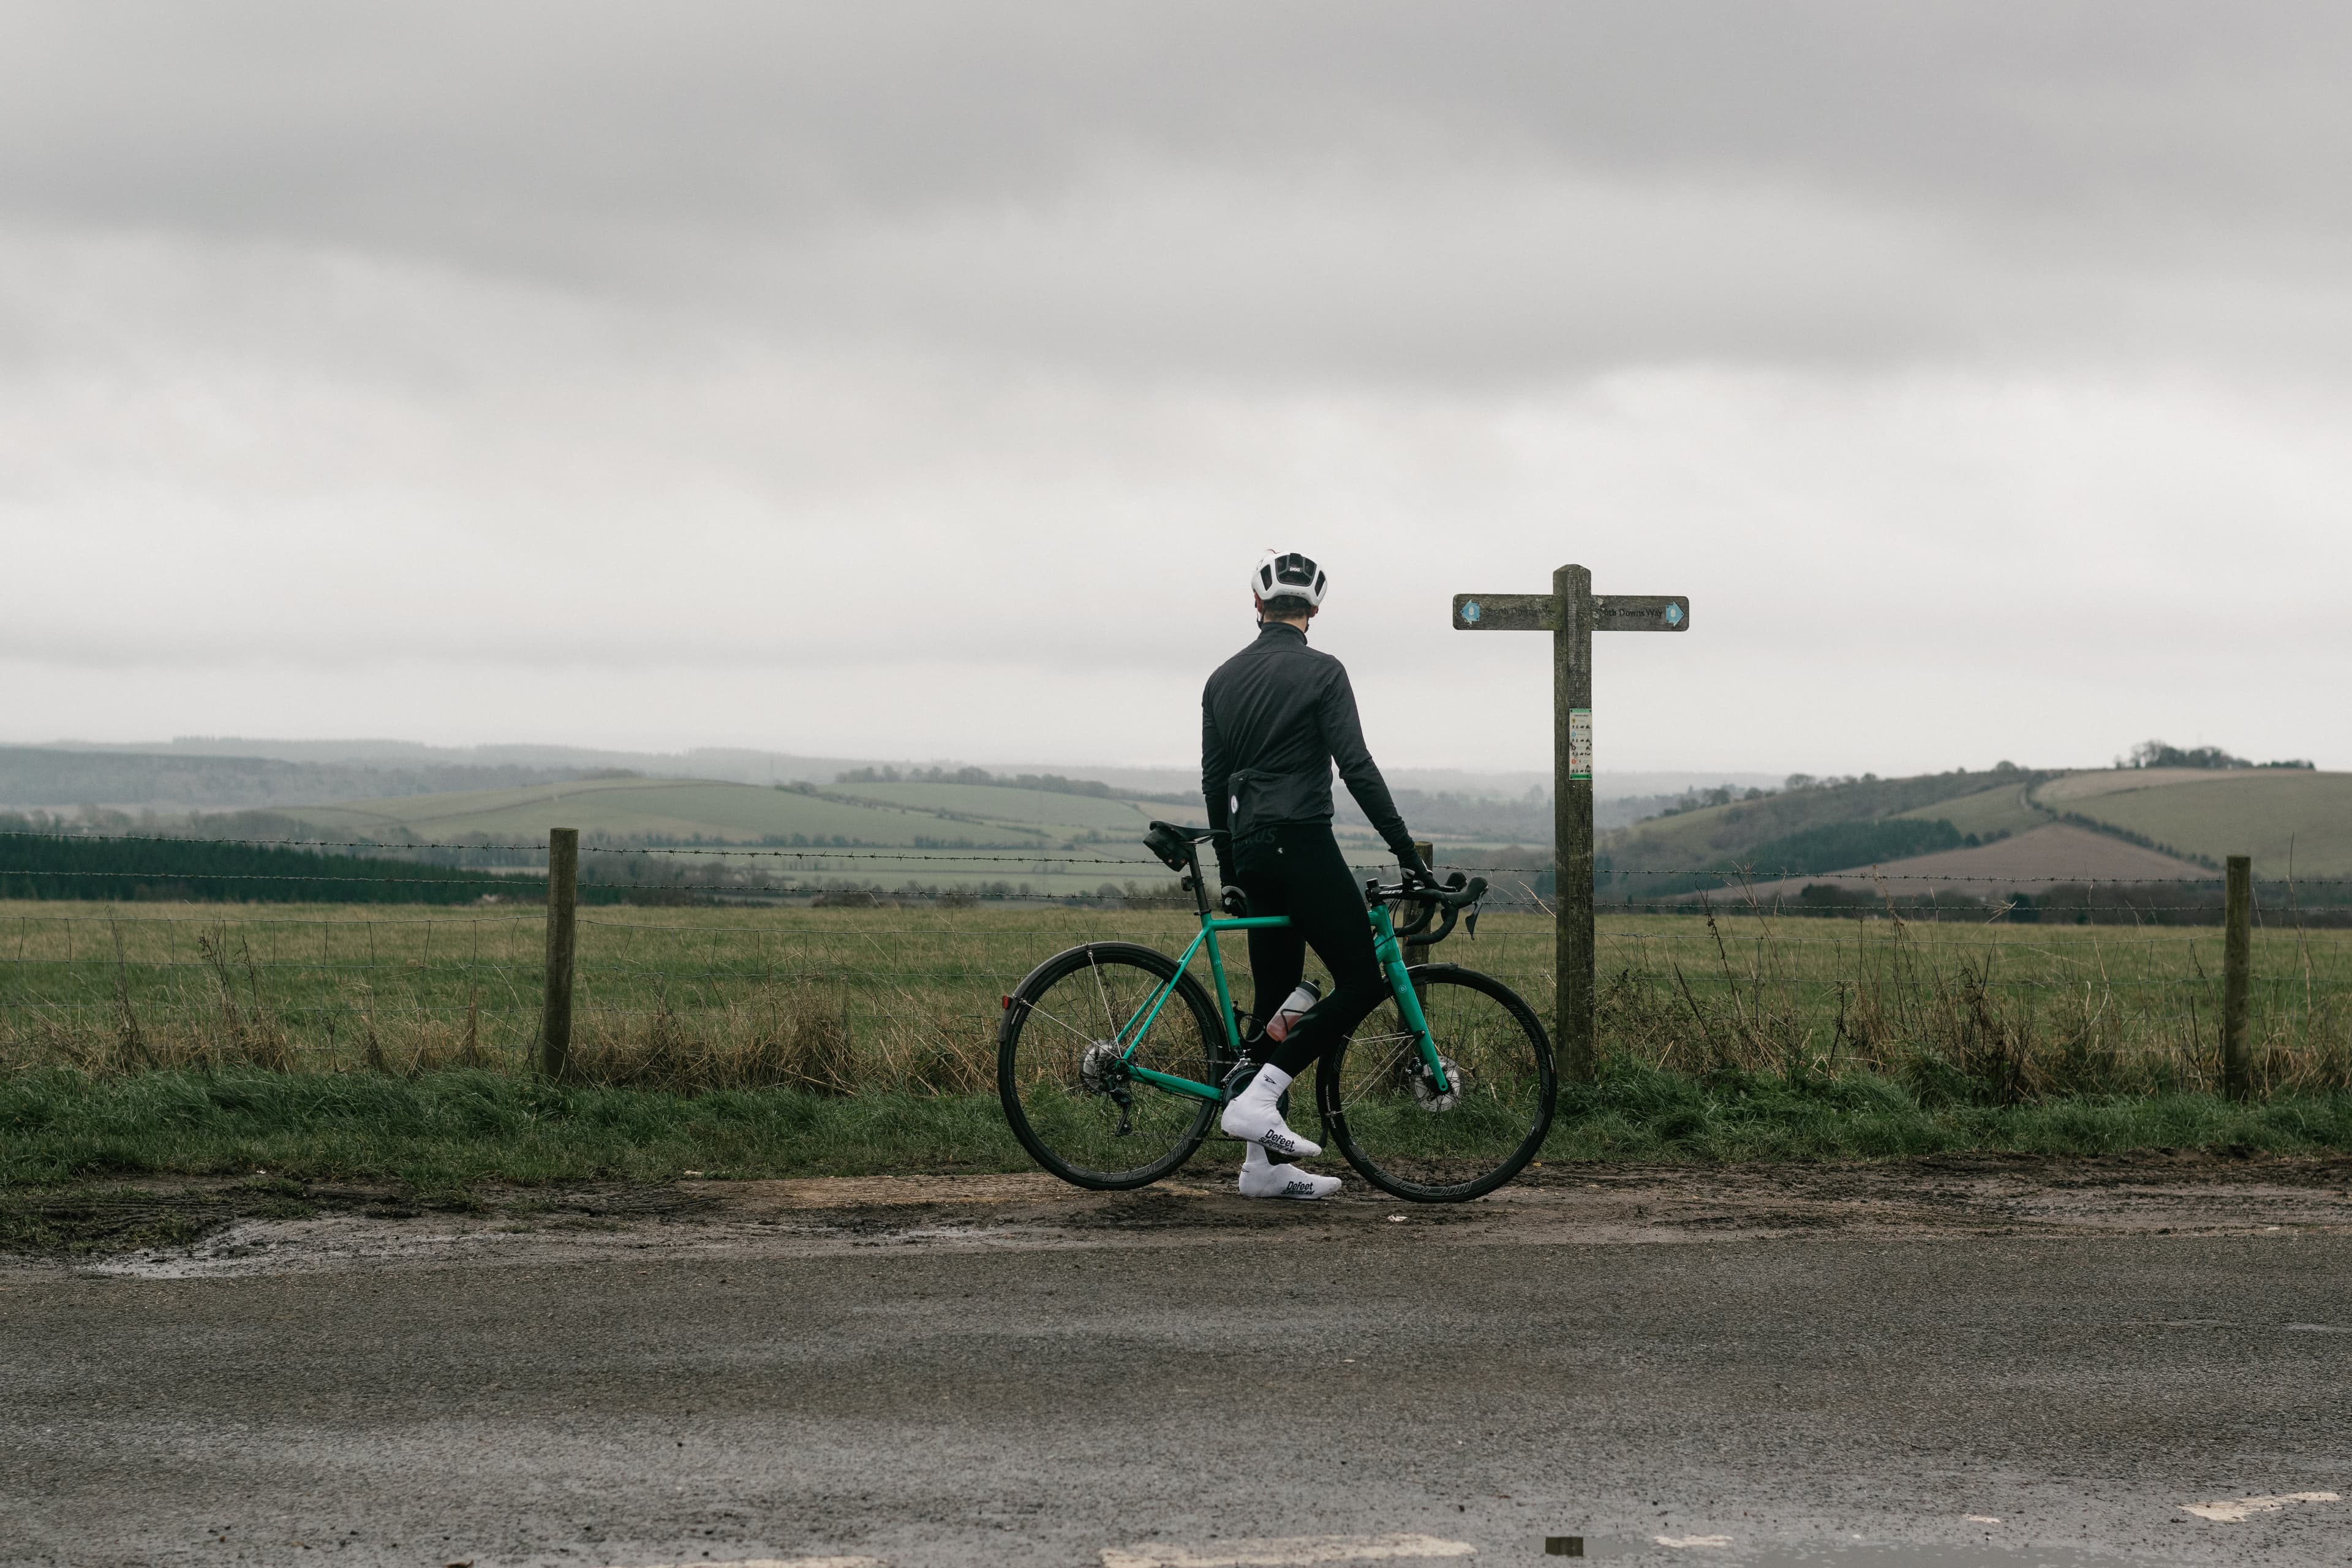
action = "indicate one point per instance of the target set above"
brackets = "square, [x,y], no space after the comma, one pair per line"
[1261,1178]
[1253,1117]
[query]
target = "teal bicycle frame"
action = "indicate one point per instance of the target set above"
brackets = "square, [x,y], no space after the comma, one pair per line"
[1385,947]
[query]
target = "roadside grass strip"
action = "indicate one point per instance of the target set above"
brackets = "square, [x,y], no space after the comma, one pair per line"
[443,1133]
[1290,1552]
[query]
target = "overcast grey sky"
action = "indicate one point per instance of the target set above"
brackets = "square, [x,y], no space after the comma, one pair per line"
[923,380]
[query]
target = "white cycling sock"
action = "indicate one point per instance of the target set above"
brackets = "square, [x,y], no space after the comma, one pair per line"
[1262,1178]
[1253,1117]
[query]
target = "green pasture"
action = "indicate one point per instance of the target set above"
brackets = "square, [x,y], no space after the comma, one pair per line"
[368,1043]
[906,999]
[443,1134]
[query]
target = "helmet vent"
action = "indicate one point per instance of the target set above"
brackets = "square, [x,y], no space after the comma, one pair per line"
[1289,574]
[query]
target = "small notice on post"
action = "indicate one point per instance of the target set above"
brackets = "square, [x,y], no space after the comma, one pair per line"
[1579,742]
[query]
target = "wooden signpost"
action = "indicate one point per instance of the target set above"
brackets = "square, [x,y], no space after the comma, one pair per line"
[1572,612]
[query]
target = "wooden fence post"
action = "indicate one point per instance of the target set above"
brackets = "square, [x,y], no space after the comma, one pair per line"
[562,945]
[2237,975]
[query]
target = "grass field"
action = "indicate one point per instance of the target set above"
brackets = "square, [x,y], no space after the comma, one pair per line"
[442,1134]
[906,999]
[350,1042]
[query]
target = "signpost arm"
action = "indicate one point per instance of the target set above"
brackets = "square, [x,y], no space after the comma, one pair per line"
[1572,647]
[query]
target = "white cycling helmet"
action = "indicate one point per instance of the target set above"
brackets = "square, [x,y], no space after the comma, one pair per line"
[1289,576]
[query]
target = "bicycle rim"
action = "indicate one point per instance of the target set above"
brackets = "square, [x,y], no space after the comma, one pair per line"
[1057,1066]
[1408,1139]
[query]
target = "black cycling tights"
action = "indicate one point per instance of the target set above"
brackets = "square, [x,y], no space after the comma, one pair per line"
[1298,870]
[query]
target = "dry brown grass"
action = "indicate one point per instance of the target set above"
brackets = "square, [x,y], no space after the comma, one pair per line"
[841,1001]
[2000,1015]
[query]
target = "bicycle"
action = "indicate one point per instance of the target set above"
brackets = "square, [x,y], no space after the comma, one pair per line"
[1112,1060]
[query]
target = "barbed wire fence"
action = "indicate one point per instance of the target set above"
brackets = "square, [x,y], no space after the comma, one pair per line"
[806,966]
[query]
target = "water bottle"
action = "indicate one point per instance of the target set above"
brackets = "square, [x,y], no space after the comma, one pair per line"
[1305,997]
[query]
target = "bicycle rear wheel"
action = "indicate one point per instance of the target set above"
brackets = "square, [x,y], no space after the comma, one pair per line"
[1383,1109]
[1060,1067]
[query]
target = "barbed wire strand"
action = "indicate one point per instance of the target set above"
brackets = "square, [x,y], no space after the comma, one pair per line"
[987,856]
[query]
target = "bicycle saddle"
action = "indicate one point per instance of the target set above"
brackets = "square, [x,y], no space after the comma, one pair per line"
[1173,842]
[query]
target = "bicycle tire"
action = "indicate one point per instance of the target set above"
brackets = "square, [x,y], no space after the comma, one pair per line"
[1069,1127]
[1403,1139]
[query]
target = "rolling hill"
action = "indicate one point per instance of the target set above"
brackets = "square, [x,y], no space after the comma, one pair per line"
[1770,828]
[2286,818]
[2008,828]
[2053,853]
[38,777]
[708,812]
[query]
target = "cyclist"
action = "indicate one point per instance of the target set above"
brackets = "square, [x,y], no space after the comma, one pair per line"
[1275,718]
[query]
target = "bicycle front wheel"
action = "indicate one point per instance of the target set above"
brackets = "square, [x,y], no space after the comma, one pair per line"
[1384,1108]
[1061,1060]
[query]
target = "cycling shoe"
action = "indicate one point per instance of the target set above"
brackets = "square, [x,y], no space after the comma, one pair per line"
[1254,1117]
[1262,1178]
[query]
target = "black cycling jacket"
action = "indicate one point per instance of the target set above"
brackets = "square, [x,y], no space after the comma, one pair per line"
[1274,720]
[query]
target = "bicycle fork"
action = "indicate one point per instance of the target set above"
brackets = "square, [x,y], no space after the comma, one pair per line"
[1391,953]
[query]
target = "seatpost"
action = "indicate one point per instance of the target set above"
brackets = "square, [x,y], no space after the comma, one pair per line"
[1196,881]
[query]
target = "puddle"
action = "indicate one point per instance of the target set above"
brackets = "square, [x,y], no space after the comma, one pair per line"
[1697,1547]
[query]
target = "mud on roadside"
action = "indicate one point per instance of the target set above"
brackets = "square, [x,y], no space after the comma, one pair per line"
[263,1224]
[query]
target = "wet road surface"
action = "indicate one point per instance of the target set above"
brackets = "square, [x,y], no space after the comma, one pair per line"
[1011,1373]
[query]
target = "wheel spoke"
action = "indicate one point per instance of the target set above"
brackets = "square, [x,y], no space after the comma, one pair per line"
[1033,1010]
[1370,1075]
[1110,1019]
[1460,1143]
[1076,1132]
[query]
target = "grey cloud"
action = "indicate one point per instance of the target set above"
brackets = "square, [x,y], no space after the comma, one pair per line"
[442,363]
[551,135]
[1302,193]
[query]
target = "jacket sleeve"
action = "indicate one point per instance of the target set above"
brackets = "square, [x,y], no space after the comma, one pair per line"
[1343,736]
[1216,776]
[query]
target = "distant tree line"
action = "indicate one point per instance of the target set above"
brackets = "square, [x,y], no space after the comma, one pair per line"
[2161,754]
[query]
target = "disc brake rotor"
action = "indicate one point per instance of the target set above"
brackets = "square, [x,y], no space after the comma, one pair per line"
[1426,1092]
[1101,1068]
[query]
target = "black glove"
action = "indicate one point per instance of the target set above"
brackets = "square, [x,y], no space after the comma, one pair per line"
[1416,868]
[1234,902]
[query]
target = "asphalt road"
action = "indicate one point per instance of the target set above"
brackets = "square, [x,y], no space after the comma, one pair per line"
[919,1393]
